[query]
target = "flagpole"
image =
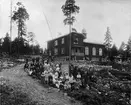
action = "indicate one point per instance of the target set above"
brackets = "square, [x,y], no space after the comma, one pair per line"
[70,30]
[10,24]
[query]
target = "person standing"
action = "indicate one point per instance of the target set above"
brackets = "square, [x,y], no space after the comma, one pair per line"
[26,66]
[32,67]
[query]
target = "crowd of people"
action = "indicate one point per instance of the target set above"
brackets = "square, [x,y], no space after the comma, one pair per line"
[97,80]
[51,74]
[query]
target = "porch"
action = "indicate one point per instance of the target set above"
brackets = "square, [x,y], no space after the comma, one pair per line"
[77,53]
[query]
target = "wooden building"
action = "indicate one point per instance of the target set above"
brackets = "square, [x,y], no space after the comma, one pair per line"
[58,48]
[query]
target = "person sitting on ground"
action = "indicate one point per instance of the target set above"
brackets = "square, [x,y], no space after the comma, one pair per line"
[57,84]
[57,68]
[61,87]
[46,65]
[26,66]
[37,69]
[78,76]
[56,75]
[50,69]
[43,77]
[72,81]
[67,85]
[78,82]
[66,76]
[50,78]
[41,68]
[60,73]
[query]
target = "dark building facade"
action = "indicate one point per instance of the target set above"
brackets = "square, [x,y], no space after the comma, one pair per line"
[59,48]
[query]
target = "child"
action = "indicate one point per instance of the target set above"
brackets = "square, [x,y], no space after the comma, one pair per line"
[78,80]
[67,76]
[56,75]
[71,81]
[61,86]
[42,77]
[50,78]
[67,85]
[78,76]
[61,83]
[46,76]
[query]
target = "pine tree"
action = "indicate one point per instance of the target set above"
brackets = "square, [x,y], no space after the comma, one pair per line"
[6,43]
[108,39]
[20,16]
[122,49]
[114,52]
[30,37]
[122,46]
[69,9]
[129,45]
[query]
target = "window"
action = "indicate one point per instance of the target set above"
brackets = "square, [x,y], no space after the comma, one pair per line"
[55,51]
[95,59]
[93,51]
[62,50]
[76,41]
[73,51]
[77,50]
[49,53]
[100,51]
[56,43]
[86,50]
[62,41]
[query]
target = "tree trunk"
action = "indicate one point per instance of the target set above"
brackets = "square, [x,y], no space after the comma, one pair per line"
[69,46]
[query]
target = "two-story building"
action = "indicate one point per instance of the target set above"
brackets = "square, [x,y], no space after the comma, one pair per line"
[59,48]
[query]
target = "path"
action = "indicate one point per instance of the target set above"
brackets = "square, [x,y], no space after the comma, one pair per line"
[36,91]
[65,68]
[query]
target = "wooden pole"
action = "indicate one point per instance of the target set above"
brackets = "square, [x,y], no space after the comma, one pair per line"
[70,46]
[10,25]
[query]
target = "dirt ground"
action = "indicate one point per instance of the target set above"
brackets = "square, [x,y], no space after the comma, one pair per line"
[36,91]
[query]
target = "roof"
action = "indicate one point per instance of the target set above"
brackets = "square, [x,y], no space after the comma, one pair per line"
[58,37]
[77,46]
[64,35]
[92,42]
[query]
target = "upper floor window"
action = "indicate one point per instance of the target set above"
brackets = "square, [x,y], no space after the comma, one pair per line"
[93,51]
[100,52]
[62,50]
[56,43]
[86,50]
[56,51]
[62,41]
[76,41]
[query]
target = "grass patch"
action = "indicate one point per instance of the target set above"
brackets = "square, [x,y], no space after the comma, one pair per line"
[13,96]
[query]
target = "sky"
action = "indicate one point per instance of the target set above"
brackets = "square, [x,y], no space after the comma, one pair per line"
[94,16]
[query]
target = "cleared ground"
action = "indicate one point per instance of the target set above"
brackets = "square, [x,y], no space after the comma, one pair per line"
[37,93]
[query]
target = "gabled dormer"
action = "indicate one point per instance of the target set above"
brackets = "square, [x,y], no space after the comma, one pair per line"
[77,39]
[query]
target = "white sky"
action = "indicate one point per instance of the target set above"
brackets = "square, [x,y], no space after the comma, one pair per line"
[95,16]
